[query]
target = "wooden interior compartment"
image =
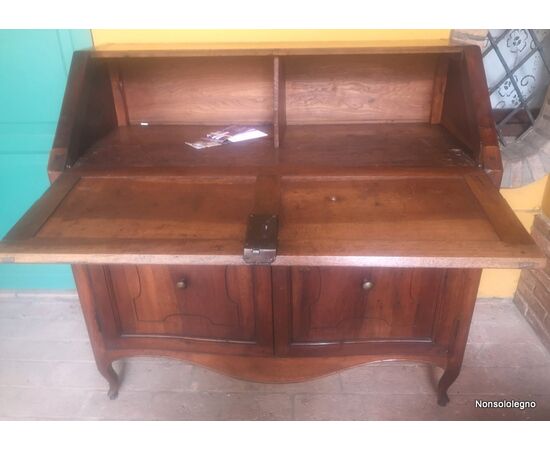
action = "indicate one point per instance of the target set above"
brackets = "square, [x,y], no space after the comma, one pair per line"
[162,103]
[372,144]
[372,109]
[197,90]
[344,145]
[165,146]
[339,110]
[464,107]
[331,89]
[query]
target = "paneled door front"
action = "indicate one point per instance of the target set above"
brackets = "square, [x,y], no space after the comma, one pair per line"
[342,310]
[216,306]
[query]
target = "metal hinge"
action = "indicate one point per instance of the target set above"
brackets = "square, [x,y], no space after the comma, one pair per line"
[260,245]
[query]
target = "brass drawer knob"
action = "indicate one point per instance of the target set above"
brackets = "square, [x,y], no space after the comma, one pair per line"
[181,284]
[367,285]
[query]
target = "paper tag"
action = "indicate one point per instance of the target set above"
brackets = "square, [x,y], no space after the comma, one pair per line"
[233,133]
[249,134]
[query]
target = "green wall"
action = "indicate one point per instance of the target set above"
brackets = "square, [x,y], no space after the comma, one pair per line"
[33,70]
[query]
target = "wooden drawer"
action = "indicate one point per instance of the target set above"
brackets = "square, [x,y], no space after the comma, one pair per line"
[344,309]
[218,305]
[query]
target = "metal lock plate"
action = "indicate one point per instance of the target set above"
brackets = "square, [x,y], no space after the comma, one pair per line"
[260,246]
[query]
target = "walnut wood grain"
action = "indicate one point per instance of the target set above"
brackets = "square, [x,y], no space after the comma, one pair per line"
[216,305]
[267,195]
[331,306]
[326,311]
[395,144]
[503,220]
[31,222]
[384,144]
[199,90]
[352,89]
[384,221]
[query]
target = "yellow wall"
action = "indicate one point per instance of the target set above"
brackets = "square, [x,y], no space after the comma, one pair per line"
[526,201]
[326,37]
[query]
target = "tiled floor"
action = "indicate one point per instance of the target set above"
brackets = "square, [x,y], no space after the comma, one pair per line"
[47,372]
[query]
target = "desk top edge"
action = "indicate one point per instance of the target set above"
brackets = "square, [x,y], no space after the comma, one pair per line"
[272,49]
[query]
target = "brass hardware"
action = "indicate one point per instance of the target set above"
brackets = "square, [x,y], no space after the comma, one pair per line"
[367,285]
[182,284]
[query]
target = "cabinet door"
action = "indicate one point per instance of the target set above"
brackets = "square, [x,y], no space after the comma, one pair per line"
[344,309]
[216,306]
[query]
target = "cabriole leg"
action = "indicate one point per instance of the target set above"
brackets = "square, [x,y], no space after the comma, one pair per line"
[448,378]
[105,367]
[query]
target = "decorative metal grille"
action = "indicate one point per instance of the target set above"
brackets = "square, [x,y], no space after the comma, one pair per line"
[518,72]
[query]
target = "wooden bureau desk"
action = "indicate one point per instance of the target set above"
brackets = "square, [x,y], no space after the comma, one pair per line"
[354,232]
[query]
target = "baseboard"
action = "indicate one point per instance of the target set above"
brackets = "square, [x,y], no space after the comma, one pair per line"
[39,294]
